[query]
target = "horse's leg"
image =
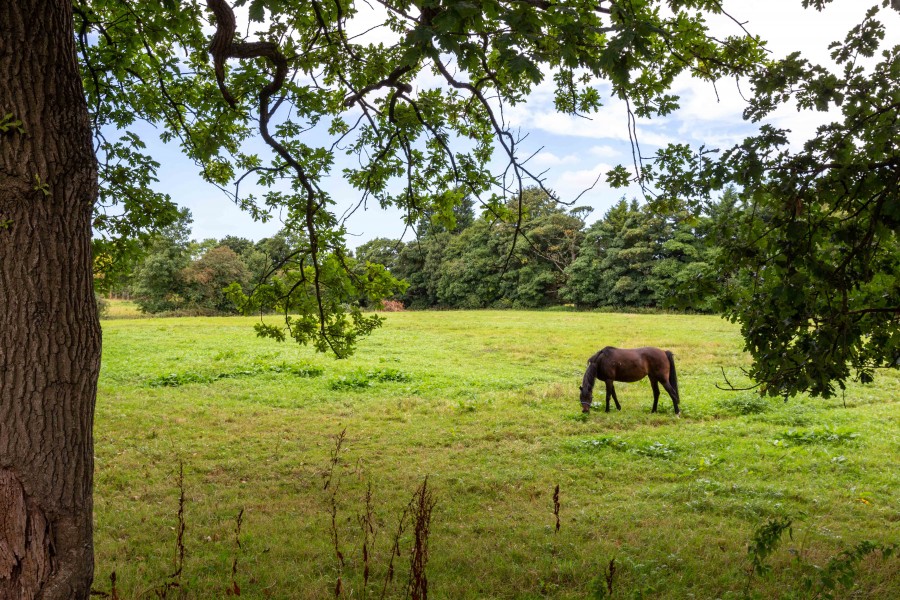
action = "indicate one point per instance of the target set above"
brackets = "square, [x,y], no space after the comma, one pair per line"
[610,390]
[615,398]
[672,394]
[655,385]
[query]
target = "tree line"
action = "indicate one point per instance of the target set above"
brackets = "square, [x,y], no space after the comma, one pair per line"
[631,258]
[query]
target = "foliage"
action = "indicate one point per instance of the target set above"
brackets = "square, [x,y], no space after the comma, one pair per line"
[208,277]
[766,539]
[390,306]
[380,251]
[834,580]
[513,256]
[811,265]
[300,291]
[636,258]
[158,283]
[746,404]
[649,449]
[828,435]
[841,572]
[177,274]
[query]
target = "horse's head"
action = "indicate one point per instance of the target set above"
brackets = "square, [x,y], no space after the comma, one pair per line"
[586,399]
[587,387]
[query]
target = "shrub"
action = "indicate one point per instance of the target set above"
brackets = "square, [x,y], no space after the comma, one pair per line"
[390,306]
[102,306]
[745,404]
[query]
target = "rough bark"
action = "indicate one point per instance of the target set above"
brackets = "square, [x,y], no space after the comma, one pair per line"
[49,332]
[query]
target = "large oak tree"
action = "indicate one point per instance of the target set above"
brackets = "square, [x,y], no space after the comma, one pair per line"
[421,110]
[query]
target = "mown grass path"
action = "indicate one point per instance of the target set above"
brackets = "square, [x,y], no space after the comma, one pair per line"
[485,404]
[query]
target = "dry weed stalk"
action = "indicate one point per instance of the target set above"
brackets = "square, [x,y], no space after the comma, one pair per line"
[335,458]
[334,483]
[423,503]
[556,506]
[234,589]
[610,573]
[175,578]
[113,593]
[395,550]
[367,522]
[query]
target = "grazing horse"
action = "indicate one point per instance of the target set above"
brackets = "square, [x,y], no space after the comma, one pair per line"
[622,364]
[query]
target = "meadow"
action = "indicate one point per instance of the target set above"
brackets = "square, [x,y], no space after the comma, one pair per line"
[200,424]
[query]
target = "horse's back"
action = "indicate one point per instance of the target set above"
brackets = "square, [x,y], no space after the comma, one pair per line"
[632,364]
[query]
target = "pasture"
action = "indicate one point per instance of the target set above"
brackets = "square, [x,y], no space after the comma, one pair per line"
[485,404]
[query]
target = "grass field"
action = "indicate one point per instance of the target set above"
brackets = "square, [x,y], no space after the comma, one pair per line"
[485,405]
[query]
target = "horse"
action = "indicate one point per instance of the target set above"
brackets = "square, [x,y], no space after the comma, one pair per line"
[629,365]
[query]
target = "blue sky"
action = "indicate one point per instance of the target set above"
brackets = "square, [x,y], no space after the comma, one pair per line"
[572,150]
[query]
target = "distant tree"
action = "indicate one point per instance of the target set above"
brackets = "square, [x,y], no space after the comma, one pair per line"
[238,245]
[205,280]
[635,257]
[270,254]
[687,255]
[471,271]
[158,284]
[198,249]
[381,251]
[628,276]
[550,239]
[586,284]
[515,255]
[419,264]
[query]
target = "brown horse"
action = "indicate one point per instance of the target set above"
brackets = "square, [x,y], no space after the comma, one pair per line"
[622,364]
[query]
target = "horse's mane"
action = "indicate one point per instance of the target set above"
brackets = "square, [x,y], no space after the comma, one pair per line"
[595,358]
[589,376]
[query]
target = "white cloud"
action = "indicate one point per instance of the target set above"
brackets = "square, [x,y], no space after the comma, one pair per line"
[549,159]
[610,123]
[603,151]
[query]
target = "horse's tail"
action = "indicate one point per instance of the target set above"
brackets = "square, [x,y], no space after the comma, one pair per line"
[673,378]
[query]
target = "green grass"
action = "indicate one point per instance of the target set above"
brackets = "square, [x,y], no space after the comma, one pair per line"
[123,309]
[486,405]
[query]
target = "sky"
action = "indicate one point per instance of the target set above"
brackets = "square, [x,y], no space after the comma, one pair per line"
[572,150]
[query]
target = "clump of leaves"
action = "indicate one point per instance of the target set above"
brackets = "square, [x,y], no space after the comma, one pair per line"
[656,450]
[358,380]
[650,449]
[839,575]
[298,370]
[765,541]
[745,404]
[606,442]
[9,123]
[188,377]
[828,582]
[178,379]
[826,435]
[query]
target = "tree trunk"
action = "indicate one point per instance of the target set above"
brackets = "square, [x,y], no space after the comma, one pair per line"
[49,332]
